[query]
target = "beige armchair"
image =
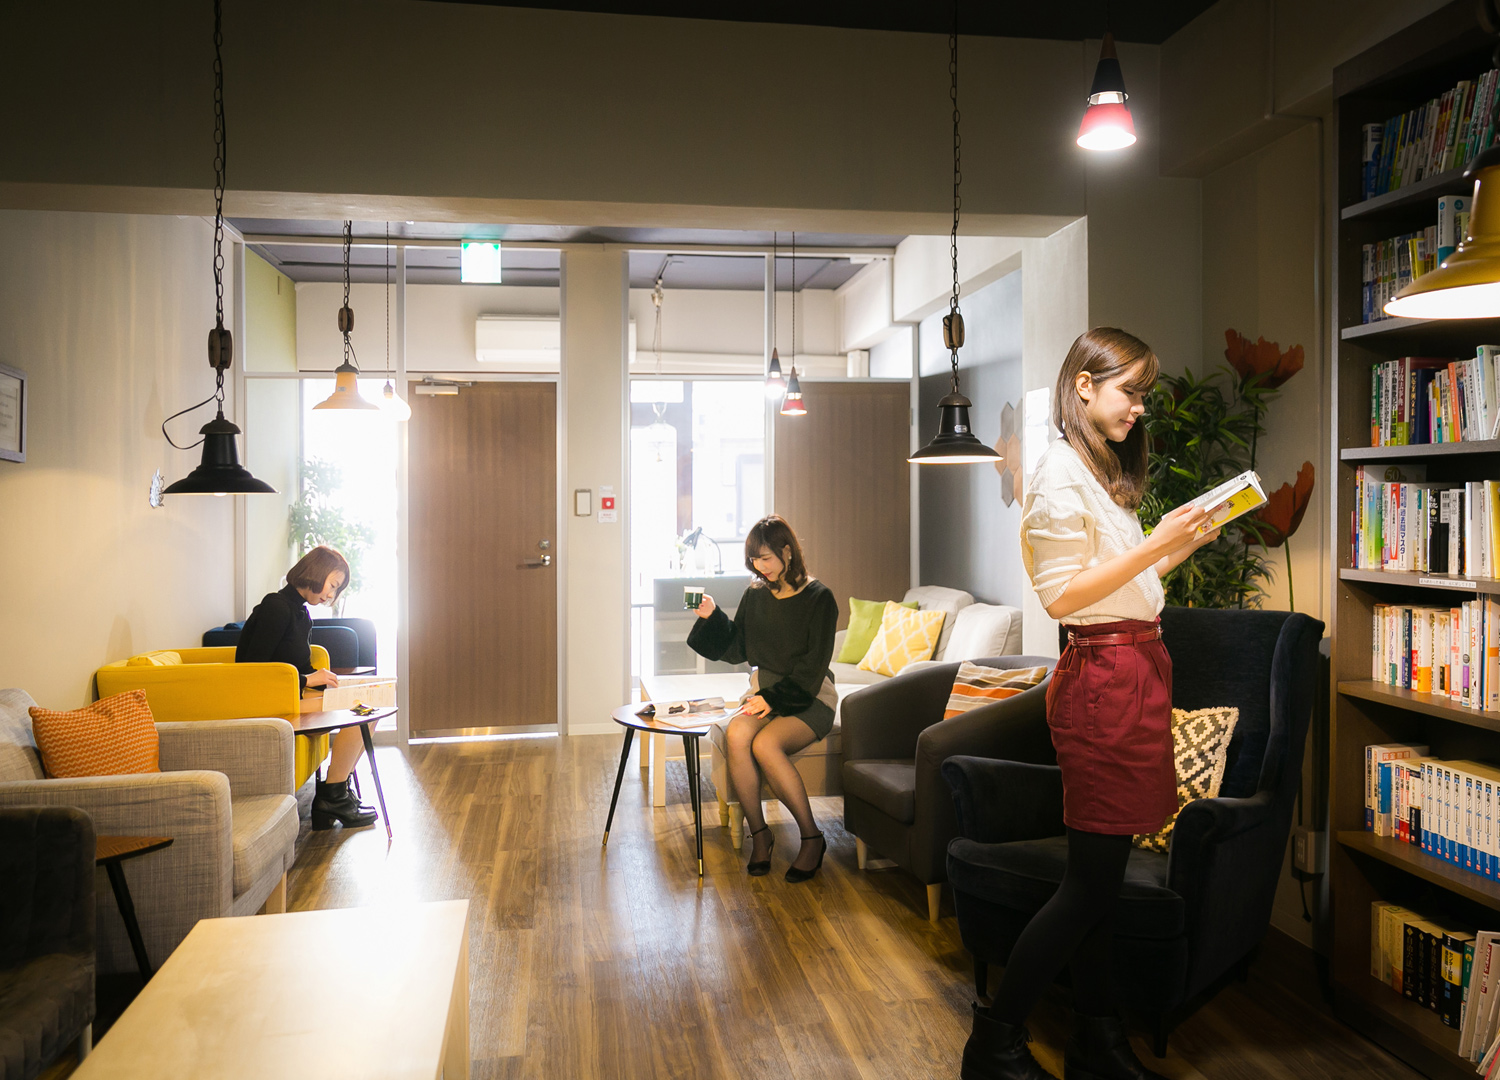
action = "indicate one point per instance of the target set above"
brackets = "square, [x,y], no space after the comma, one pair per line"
[224,795]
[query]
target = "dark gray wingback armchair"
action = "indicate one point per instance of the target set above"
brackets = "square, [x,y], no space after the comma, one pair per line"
[1187,918]
[46,936]
[895,741]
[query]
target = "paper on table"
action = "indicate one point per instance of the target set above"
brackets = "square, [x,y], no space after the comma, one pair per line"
[375,690]
[694,713]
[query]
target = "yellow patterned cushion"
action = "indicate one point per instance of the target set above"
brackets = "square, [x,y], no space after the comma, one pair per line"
[905,636]
[163,658]
[1200,745]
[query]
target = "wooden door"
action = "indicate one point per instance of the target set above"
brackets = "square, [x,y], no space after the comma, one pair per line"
[482,481]
[843,483]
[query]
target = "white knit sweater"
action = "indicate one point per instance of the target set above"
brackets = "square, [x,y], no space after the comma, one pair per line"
[1068,524]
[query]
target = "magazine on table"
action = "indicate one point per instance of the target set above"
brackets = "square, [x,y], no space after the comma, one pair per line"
[689,713]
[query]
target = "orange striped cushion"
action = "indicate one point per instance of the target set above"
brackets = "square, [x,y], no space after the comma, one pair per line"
[976,686]
[108,738]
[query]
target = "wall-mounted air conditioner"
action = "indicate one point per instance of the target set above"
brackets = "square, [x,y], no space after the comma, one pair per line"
[524,342]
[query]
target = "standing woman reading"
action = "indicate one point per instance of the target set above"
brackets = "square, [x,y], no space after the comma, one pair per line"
[278,630]
[1109,705]
[784,628]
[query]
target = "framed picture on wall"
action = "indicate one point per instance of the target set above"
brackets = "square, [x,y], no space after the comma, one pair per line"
[12,414]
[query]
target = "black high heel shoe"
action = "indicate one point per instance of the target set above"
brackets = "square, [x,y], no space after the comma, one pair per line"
[763,867]
[795,876]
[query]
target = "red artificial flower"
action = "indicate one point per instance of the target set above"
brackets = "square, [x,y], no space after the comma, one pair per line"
[1263,358]
[1283,511]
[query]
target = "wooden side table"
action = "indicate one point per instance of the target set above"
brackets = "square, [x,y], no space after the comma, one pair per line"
[316,723]
[629,717]
[110,852]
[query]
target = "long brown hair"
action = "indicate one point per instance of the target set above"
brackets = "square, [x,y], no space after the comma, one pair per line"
[312,570]
[773,533]
[1106,353]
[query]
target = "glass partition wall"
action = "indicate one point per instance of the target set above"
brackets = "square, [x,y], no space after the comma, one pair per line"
[697,484]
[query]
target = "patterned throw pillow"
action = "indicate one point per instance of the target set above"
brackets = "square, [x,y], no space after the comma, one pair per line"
[864,624]
[905,636]
[113,736]
[1200,743]
[975,686]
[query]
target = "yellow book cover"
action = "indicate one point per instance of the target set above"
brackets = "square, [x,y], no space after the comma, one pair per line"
[1231,499]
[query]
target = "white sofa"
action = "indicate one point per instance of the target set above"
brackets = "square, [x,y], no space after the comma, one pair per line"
[970,631]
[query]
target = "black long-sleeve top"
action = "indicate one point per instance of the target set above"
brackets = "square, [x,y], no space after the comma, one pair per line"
[791,638]
[278,631]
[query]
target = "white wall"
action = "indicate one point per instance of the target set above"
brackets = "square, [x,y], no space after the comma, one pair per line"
[108,316]
[595,421]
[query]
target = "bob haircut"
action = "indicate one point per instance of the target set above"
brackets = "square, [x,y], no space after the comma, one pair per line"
[773,533]
[312,570]
[1107,354]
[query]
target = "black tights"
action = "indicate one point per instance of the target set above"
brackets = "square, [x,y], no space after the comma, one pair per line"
[1075,925]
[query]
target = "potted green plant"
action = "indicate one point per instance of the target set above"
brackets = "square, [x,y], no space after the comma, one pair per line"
[1204,431]
[316,518]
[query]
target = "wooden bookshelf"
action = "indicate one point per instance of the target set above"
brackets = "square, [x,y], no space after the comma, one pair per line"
[1419,451]
[1420,62]
[1469,586]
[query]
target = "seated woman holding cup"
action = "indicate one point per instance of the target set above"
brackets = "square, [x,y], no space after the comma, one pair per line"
[784,629]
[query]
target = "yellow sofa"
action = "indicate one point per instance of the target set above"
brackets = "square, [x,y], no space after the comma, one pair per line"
[206,684]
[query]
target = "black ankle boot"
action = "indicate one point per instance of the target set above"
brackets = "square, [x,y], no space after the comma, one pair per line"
[997,1051]
[1099,1050]
[335,802]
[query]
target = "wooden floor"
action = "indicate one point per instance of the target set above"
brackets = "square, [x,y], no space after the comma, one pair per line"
[617,962]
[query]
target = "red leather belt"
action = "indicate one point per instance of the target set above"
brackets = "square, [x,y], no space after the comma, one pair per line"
[1113,639]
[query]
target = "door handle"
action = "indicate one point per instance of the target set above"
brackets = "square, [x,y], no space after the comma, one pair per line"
[545,560]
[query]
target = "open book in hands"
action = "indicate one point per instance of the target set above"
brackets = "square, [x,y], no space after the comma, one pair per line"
[1231,499]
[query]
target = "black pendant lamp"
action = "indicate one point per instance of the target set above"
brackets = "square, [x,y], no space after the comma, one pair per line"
[775,381]
[345,394]
[220,471]
[792,404]
[955,442]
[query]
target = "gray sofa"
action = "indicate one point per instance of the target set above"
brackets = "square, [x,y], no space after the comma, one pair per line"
[46,936]
[224,795]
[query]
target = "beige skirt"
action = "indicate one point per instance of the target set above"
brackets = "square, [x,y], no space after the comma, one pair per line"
[819,715]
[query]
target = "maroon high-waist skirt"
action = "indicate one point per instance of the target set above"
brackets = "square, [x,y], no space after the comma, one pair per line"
[1109,707]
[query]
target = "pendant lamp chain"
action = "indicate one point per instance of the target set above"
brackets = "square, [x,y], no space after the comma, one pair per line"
[347,325]
[794,301]
[774,255]
[953,325]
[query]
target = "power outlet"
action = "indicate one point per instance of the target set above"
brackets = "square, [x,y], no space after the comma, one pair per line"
[1307,851]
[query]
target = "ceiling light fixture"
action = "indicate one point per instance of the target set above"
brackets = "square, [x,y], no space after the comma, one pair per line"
[219,472]
[1467,285]
[1107,124]
[345,396]
[792,404]
[479,262]
[775,381]
[955,443]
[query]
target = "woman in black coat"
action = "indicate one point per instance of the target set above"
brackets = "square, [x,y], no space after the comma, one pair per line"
[277,631]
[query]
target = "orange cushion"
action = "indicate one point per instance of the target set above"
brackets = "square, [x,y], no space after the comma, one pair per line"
[975,686]
[108,738]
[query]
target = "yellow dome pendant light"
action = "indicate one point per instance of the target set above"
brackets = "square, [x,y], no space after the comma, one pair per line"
[955,442]
[1467,285]
[345,394]
[219,472]
[792,404]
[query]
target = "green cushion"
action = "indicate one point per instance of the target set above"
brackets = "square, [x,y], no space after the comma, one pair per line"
[864,624]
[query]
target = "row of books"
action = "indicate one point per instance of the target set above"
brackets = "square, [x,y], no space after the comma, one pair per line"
[1388,266]
[1447,652]
[1429,399]
[1444,966]
[1444,134]
[1417,526]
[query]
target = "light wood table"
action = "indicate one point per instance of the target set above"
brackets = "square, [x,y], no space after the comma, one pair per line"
[729,685]
[246,998]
